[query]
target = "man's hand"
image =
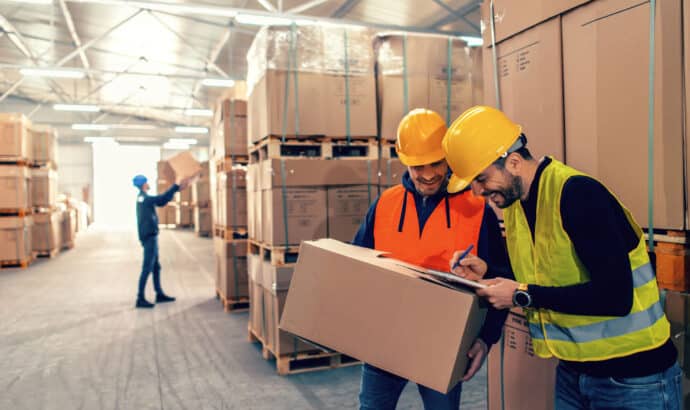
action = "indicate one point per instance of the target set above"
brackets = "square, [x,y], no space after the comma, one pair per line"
[477,354]
[471,267]
[499,292]
[183,182]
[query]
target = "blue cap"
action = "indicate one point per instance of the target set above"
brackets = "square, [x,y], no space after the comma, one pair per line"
[139,181]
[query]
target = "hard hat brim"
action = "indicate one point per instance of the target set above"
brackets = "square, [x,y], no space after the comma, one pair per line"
[417,160]
[457,184]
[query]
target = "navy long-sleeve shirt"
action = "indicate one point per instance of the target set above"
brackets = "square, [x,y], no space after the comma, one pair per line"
[147,219]
[491,248]
[602,238]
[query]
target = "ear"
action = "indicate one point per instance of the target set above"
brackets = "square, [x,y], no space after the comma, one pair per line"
[514,163]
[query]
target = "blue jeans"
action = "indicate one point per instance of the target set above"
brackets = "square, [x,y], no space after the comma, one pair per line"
[150,265]
[660,391]
[381,390]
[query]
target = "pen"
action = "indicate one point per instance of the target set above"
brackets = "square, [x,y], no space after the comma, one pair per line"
[462,256]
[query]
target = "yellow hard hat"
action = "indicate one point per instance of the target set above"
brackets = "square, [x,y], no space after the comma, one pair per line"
[476,139]
[419,138]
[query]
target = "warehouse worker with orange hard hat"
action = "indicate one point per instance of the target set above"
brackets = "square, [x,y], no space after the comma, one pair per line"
[583,273]
[419,222]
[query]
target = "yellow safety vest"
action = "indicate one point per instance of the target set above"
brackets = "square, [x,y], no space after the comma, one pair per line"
[550,260]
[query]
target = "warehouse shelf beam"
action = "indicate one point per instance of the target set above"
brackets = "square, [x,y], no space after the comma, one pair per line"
[267,5]
[98,71]
[345,8]
[462,11]
[215,52]
[75,37]
[458,15]
[306,6]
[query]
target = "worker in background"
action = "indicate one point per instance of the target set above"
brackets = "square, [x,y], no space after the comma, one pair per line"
[583,273]
[419,222]
[147,224]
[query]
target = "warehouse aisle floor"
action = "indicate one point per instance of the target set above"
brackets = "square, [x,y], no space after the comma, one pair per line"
[71,339]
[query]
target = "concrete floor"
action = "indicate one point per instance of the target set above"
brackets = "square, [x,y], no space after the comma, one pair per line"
[71,339]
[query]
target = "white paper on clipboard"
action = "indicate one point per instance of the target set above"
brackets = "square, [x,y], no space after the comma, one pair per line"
[449,277]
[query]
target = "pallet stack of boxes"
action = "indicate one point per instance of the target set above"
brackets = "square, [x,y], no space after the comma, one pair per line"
[166,178]
[228,153]
[47,230]
[201,202]
[313,164]
[184,211]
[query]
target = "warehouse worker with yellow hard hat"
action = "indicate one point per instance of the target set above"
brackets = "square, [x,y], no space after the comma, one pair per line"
[419,222]
[582,270]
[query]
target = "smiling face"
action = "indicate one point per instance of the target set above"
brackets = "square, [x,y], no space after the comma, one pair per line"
[499,185]
[428,179]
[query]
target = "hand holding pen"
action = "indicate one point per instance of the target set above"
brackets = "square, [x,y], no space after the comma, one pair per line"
[467,265]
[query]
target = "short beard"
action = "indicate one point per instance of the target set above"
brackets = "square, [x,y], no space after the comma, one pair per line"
[513,193]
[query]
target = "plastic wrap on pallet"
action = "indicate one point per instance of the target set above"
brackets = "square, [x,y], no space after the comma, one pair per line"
[319,50]
[43,142]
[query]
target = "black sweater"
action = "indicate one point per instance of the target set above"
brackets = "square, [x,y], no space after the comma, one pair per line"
[602,237]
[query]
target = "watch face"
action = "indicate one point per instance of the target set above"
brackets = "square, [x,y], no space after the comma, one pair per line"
[522,298]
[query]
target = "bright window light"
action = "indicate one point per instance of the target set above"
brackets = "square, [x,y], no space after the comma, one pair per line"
[217,82]
[77,107]
[198,112]
[472,41]
[100,140]
[191,130]
[174,146]
[41,72]
[187,141]
[261,20]
[90,127]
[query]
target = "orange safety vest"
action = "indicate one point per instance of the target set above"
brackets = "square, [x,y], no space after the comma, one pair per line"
[452,226]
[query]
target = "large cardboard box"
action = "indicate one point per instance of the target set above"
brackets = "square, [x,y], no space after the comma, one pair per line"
[202,220]
[231,268]
[44,187]
[535,392]
[184,196]
[166,214]
[605,66]
[390,172]
[418,65]
[232,198]
[15,238]
[377,329]
[305,212]
[43,141]
[46,235]
[201,192]
[184,165]
[256,312]
[321,105]
[184,215]
[347,207]
[229,133]
[530,70]
[15,188]
[166,175]
[316,172]
[14,136]
[281,343]
[68,228]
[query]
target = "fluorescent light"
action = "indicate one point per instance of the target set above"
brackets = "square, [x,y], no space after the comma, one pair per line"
[33,1]
[472,41]
[191,130]
[100,140]
[76,107]
[261,20]
[137,139]
[198,112]
[41,72]
[90,127]
[172,145]
[183,8]
[132,126]
[187,141]
[217,82]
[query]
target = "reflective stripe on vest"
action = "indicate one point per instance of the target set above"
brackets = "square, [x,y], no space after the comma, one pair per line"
[453,225]
[550,260]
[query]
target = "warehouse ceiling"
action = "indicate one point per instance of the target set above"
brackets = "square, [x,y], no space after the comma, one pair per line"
[142,63]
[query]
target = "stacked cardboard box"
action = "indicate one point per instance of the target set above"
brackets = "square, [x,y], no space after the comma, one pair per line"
[201,202]
[47,232]
[43,146]
[232,280]
[229,131]
[15,240]
[68,227]
[166,178]
[14,138]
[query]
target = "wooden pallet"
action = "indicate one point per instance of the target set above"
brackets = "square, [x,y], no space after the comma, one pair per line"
[67,246]
[21,264]
[15,212]
[184,226]
[230,234]
[233,305]
[388,150]
[42,164]
[204,234]
[668,236]
[44,209]
[324,148]
[280,255]
[47,254]
[9,160]
[226,164]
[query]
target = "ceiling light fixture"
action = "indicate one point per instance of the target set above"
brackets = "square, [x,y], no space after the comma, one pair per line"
[198,112]
[191,130]
[218,82]
[90,127]
[52,73]
[186,141]
[76,107]
[100,140]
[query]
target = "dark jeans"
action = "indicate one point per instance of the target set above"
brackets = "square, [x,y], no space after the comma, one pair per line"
[381,390]
[660,391]
[150,265]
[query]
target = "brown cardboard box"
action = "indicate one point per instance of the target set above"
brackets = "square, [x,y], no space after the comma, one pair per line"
[201,192]
[530,70]
[184,165]
[229,134]
[254,267]
[606,103]
[306,215]
[167,214]
[162,186]
[205,170]
[43,141]
[15,238]
[390,172]
[183,215]
[252,213]
[232,272]
[184,196]
[232,203]
[166,175]
[202,220]
[535,392]
[68,229]
[347,207]
[14,137]
[46,235]
[282,343]
[317,172]
[15,188]
[513,17]
[320,308]
[322,105]
[44,186]
[275,277]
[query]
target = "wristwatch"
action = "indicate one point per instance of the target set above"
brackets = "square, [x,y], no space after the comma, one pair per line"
[521,297]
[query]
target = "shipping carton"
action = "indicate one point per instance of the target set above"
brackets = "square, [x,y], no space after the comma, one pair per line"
[535,392]
[347,207]
[14,137]
[43,141]
[606,103]
[201,192]
[202,220]
[256,317]
[183,215]
[280,342]
[312,172]
[184,165]
[232,198]
[15,238]
[229,133]
[68,227]
[379,328]
[46,235]
[390,172]
[15,189]
[167,214]
[166,175]
[44,187]
[305,213]
[231,268]
[531,86]
[184,196]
